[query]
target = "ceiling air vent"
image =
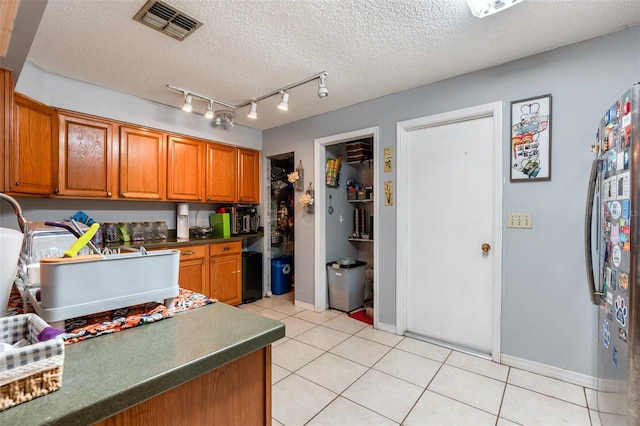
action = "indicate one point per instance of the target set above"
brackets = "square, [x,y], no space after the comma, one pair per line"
[166,19]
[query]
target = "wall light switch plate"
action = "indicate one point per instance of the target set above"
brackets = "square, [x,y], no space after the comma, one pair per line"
[520,220]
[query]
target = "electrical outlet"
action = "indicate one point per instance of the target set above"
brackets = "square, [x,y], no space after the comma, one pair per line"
[520,220]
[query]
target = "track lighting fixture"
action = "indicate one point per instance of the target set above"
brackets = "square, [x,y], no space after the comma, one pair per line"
[225,117]
[208,113]
[187,106]
[284,101]
[253,111]
[322,89]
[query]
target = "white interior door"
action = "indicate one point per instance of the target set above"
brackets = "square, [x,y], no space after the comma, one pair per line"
[450,215]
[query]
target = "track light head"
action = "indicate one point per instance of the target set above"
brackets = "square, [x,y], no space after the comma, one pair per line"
[218,121]
[284,101]
[253,112]
[187,106]
[322,89]
[208,113]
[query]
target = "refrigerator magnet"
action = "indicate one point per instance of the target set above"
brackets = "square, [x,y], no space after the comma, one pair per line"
[614,358]
[616,209]
[623,281]
[606,335]
[616,255]
[622,334]
[621,311]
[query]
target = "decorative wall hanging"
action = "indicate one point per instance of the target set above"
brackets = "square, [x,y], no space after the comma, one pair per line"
[388,159]
[388,193]
[297,178]
[333,171]
[306,199]
[531,139]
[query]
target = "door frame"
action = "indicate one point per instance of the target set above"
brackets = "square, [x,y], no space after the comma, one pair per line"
[493,110]
[320,220]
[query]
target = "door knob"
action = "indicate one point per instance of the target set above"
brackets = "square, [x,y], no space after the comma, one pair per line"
[486,248]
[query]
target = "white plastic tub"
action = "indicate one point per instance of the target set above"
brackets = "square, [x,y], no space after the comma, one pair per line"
[75,288]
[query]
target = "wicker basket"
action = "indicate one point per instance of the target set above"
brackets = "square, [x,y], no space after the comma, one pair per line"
[32,370]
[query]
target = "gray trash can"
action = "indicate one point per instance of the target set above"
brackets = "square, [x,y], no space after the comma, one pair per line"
[346,285]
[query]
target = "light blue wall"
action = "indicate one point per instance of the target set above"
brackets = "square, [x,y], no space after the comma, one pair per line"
[546,313]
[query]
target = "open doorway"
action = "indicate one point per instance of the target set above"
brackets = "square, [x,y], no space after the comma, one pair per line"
[281,230]
[330,216]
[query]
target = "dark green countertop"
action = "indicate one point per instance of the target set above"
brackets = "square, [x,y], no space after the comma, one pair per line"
[192,241]
[107,374]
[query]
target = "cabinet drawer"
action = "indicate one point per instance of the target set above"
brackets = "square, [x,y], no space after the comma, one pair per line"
[225,248]
[191,252]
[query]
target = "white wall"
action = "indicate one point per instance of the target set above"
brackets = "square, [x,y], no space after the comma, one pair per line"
[546,315]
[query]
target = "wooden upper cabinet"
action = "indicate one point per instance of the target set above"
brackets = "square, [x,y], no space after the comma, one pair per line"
[6,117]
[222,171]
[31,156]
[143,164]
[86,158]
[248,176]
[185,169]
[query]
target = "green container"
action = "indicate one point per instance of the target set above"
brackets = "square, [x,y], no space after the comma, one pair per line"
[221,224]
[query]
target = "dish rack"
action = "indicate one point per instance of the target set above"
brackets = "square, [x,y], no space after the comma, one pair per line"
[87,285]
[41,374]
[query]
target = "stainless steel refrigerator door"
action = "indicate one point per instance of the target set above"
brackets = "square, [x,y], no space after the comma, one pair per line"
[617,372]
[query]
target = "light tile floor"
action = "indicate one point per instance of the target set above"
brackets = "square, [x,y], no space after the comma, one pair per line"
[332,370]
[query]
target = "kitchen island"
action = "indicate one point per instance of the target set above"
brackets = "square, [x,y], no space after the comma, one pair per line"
[210,365]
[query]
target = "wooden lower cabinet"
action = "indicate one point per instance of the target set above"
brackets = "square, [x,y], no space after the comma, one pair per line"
[238,393]
[225,272]
[193,273]
[214,270]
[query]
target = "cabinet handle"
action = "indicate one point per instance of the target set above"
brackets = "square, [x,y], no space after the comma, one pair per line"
[213,261]
[56,191]
[199,198]
[187,253]
[109,194]
[17,184]
[123,195]
[225,249]
[203,262]
[208,198]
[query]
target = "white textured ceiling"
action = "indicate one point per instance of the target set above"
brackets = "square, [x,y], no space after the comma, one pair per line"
[247,48]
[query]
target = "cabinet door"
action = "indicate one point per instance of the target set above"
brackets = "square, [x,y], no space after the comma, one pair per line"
[31,151]
[221,173]
[248,176]
[6,117]
[225,276]
[86,157]
[193,272]
[185,169]
[143,164]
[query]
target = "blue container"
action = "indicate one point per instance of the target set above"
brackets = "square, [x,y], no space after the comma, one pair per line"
[281,274]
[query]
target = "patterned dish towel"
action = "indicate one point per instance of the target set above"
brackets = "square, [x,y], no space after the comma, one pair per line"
[82,328]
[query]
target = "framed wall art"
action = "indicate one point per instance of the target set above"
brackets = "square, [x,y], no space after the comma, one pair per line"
[530,149]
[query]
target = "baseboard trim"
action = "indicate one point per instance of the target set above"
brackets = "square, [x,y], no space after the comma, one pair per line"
[307,306]
[389,328]
[549,371]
